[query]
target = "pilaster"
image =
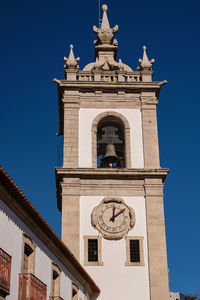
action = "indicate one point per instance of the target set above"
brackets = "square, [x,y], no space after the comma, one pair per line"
[150,130]
[71,214]
[71,129]
[158,270]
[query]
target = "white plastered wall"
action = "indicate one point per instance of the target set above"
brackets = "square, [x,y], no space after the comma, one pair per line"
[11,230]
[86,117]
[116,280]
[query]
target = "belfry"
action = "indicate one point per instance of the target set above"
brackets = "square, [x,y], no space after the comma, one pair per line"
[110,186]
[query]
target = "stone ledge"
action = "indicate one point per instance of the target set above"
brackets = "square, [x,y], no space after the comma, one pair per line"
[112,173]
[102,175]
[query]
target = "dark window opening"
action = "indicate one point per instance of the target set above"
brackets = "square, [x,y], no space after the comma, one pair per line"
[27,250]
[74,292]
[110,143]
[27,257]
[93,250]
[55,275]
[134,251]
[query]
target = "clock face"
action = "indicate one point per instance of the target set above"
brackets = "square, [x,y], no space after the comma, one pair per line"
[113,218]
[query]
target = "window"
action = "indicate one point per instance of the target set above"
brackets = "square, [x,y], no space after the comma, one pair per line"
[74,291]
[30,287]
[5,270]
[92,251]
[28,261]
[55,281]
[134,251]
[27,258]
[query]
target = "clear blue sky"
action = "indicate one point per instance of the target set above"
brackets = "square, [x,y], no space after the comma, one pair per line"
[34,37]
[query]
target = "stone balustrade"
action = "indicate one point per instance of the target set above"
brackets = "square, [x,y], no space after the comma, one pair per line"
[109,76]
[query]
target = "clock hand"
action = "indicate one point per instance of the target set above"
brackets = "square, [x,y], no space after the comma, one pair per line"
[119,213]
[113,216]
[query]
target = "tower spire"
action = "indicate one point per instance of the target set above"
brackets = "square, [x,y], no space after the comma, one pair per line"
[106,47]
[105,34]
[105,23]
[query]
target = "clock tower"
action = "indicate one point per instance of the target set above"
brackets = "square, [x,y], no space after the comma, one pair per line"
[110,187]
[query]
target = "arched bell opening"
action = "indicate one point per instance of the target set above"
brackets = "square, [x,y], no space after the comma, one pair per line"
[111,143]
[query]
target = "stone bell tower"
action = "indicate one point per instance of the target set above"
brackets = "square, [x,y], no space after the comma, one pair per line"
[110,187]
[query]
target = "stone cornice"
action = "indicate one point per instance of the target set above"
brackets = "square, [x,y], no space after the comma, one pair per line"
[112,173]
[78,86]
[73,180]
[93,85]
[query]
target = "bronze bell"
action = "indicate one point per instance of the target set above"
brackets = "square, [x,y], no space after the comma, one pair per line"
[110,157]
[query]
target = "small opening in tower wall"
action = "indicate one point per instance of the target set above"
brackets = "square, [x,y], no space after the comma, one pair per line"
[134,251]
[92,250]
[110,143]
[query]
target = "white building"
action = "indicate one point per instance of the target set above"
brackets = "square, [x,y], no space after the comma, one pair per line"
[34,262]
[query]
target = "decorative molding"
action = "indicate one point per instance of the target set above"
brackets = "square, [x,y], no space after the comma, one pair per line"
[112,173]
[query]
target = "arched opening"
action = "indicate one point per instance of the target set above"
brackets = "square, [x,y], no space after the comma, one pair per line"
[121,130]
[28,251]
[55,284]
[74,291]
[55,280]
[111,143]
[28,261]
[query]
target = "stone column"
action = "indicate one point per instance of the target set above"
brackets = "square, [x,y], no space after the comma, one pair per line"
[158,269]
[71,130]
[71,214]
[150,131]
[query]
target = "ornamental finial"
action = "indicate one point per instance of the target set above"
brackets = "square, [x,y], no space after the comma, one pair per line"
[71,62]
[145,63]
[105,33]
[105,23]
